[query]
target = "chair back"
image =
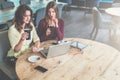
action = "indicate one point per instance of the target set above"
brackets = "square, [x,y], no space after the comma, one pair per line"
[4,44]
[4,47]
[40,13]
[25,2]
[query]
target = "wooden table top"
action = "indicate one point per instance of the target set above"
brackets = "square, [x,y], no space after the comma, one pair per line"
[96,62]
[115,11]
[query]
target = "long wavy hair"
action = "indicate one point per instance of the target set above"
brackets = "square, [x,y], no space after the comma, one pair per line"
[18,18]
[54,6]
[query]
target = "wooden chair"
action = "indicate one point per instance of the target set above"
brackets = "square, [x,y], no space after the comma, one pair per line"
[99,22]
[4,47]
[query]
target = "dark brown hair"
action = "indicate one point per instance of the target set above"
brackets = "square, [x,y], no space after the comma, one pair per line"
[54,6]
[18,19]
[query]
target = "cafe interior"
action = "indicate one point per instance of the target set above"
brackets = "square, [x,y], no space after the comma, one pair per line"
[96,20]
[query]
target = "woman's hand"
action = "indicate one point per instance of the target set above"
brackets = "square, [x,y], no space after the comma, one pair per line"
[55,22]
[48,32]
[36,46]
[34,49]
[24,36]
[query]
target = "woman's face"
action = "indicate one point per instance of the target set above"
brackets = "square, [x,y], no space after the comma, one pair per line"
[51,13]
[27,17]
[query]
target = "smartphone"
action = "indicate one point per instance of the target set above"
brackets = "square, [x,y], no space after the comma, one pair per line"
[42,69]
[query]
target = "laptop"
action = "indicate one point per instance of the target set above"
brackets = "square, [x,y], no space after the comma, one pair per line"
[56,50]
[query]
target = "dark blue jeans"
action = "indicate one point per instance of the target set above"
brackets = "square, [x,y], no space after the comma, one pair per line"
[11,61]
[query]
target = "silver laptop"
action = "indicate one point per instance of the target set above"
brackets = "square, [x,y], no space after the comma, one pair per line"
[56,50]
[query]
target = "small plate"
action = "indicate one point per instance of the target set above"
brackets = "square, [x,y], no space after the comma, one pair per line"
[34,58]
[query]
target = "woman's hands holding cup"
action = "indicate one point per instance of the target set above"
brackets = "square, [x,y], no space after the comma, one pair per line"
[48,32]
[24,36]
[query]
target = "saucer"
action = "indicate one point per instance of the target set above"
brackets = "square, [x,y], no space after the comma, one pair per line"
[33,58]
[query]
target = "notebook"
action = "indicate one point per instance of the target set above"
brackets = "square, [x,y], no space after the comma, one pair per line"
[56,50]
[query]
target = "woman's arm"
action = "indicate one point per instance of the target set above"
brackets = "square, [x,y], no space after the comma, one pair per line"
[18,46]
[16,39]
[60,29]
[37,44]
[36,40]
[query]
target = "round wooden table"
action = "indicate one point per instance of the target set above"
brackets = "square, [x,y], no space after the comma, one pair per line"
[95,62]
[115,11]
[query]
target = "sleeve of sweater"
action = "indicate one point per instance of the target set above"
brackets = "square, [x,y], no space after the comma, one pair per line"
[60,29]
